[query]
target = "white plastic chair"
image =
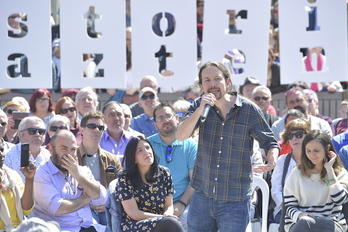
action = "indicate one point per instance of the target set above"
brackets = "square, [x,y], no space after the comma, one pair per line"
[262,184]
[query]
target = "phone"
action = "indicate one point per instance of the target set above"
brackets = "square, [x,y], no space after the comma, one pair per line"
[17,117]
[24,154]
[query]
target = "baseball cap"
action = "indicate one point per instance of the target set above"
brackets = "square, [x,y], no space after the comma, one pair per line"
[146,89]
[251,80]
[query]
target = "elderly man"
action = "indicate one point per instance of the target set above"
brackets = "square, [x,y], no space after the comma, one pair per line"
[86,100]
[30,130]
[262,96]
[146,81]
[178,156]
[115,138]
[144,123]
[3,128]
[64,190]
[104,165]
[295,98]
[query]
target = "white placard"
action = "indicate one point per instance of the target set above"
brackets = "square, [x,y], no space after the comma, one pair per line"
[177,49]
[108,20]
[251,39]
[26,60]
[328,32]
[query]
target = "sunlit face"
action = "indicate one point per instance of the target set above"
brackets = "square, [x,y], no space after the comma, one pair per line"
[42,103]
[85,103]
[312,106]
[262,99]
[114,118]
[315,152]
[36,139]
[297,101]
[247,90]
[51,132]
[63,146]
[296,142]
[148,103]
[166,121]
[70,115]
[3,128]
[144,154]
[92,136]
[214,82]
[344,111]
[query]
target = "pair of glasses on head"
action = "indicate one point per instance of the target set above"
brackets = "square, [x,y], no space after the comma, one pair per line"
[152,96]
[33,131]
[259,98]
[42,99]
[65,110]
[3,124]
[292,91]
[165,117]
[57,128]
[169,156]
[298,135]
[92,126]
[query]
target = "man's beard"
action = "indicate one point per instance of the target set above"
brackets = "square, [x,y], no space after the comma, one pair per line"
[56,162]
[301,108]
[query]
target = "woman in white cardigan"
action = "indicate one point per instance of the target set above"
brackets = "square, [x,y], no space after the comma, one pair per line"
[316,189]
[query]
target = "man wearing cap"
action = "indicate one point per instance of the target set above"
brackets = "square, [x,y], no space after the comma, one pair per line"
[247,88]
[144,123]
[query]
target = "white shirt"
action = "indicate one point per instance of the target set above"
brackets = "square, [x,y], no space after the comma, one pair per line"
[13,158]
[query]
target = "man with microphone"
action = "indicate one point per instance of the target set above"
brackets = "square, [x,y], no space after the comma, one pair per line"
[222,172]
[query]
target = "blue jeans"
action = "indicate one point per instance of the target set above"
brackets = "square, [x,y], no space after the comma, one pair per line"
[99,217]
[207,214]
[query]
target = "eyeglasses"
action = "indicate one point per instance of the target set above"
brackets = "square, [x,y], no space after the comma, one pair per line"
[152,96]
[165,117]
[65,110]
[10,111]
[42,99]
[92,126]
[33,131]
[3,124]
[56,128]
[298,135]
[169,156]
[259,98]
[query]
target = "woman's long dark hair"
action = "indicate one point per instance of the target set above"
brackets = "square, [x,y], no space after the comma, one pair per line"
[132,170]
[306,165]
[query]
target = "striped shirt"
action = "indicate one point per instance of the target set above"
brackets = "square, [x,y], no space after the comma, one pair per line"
[313,196]
[222,169]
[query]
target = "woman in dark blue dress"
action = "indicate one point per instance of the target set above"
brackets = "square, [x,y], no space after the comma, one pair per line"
[145,191]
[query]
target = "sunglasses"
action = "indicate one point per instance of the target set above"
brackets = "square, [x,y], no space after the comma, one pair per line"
[3,124]
[92,126]
[259,98]
[33,131]
[56,128]
[298,135]
[169,156]
[65,110]
[152,96]
[10,111]
[42,99]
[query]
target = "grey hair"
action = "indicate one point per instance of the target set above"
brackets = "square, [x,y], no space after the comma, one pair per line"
[87,90]
[3,114]
[23,124]
[262,88]
[58,118]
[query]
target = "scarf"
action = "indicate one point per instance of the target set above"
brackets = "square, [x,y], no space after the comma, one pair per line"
[4,212]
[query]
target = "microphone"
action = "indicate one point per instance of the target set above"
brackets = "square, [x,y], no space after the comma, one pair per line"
[205,112]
